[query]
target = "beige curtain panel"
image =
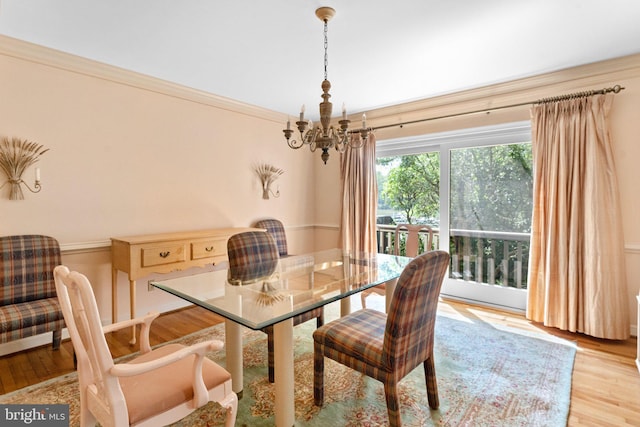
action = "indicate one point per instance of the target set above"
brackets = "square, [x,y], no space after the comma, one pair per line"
[577,278]
[359,198]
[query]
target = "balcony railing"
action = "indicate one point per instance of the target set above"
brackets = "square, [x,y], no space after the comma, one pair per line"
[386,239]
[493,257]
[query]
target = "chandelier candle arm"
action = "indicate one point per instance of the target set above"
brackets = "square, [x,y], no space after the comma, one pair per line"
[326,136]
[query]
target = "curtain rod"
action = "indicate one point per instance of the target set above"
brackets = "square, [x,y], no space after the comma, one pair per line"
[614,89]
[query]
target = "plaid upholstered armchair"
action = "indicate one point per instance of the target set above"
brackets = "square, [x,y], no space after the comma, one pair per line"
[28,302]
[388,347]
[253,255]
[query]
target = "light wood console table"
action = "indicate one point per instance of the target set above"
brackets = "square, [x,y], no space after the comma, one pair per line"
[139,256]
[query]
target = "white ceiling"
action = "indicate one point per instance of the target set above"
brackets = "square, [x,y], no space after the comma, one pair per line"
[270,53]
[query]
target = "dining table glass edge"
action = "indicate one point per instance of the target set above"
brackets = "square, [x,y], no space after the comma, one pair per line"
[351,274]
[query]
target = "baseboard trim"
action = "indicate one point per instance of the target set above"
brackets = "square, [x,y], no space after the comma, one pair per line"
[29,342]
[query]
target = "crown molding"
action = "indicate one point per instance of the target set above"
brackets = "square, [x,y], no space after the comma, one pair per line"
[31,52]
[589,76]
[585,77]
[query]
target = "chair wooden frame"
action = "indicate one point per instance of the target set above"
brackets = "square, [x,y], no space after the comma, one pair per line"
[412,242]
[122,394]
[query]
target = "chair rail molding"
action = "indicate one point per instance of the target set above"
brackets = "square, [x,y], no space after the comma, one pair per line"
[633,248]
[85,247]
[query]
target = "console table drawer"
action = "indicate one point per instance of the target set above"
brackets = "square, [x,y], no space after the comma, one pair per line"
[209,249]
[163,255]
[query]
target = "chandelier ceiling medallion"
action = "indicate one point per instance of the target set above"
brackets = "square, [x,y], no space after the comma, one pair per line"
[324,136]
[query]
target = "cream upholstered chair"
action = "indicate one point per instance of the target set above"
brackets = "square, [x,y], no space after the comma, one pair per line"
[253,255]
[413,234]
[156,388]
[388,347]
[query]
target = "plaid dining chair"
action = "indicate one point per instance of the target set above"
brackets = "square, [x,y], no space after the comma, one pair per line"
[253,255]
[276,229]
[412,234]
[388,347]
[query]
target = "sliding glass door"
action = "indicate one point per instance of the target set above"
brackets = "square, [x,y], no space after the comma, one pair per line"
[474,187]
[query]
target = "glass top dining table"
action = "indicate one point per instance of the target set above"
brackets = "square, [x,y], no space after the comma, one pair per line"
[299,283]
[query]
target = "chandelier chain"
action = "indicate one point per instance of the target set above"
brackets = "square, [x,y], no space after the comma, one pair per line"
[326,46]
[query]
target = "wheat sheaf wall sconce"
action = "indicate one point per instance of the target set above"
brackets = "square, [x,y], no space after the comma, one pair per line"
[268,174]
[16,155]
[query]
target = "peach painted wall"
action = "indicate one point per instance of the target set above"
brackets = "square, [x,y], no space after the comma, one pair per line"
[133,155]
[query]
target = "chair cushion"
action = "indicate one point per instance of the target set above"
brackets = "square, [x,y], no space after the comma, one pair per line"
[162,389]
[17,319]
[359,335]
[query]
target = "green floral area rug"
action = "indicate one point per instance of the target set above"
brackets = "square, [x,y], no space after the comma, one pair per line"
[488,375]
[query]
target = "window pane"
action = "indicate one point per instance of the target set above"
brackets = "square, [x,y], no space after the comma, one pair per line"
[490,213]
[408,193]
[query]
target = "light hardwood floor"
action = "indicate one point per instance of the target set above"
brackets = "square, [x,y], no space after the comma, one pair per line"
[605,388]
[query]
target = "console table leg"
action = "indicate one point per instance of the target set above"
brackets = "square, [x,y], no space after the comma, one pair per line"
[114,295]
[132,309]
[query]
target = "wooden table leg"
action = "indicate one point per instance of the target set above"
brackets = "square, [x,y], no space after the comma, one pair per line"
[389,287]
[132,309]
[284,406]
[345,306]
[114,295]
[114,302]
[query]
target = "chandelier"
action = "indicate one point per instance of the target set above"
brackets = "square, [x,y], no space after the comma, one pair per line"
[324,136]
